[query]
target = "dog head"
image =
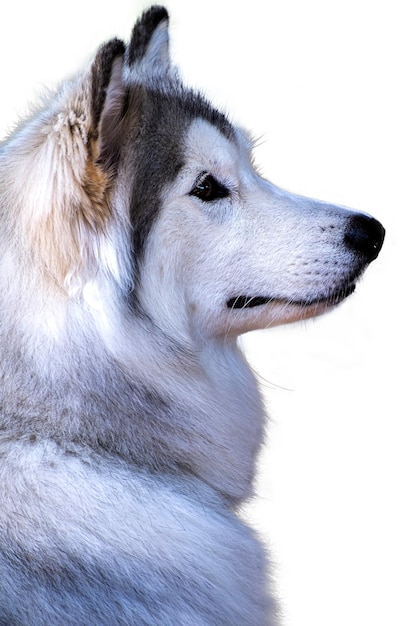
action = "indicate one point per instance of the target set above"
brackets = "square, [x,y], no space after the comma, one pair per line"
[135,186]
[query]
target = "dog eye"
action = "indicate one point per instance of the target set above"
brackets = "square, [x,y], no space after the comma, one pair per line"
[207,188]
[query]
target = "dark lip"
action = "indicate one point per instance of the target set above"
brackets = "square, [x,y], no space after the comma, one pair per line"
[331,299]
[248,302]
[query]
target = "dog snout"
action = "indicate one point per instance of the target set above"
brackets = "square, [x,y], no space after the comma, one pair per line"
[364,234]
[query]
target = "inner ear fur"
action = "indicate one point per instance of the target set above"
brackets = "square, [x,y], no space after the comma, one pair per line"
[110,119]
[101,73]
[108,95]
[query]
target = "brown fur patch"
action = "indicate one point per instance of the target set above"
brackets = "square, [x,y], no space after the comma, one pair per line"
[76,211]
[72,209]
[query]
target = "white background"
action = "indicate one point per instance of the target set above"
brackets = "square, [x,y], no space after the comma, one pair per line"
[329,88]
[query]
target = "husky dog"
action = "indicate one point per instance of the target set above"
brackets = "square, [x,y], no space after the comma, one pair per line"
[137,243]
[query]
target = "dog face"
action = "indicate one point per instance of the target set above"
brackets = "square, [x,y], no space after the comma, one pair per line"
[242,253]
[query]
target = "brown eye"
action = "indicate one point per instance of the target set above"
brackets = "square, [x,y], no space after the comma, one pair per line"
[207,188]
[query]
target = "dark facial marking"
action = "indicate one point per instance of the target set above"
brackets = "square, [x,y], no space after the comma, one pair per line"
[158,123]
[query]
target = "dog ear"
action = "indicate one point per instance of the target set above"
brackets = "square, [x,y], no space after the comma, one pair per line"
[146,63]
[109,56]
[110,96]
[147,55]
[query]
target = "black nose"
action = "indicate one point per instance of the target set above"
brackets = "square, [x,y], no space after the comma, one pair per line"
[366,235]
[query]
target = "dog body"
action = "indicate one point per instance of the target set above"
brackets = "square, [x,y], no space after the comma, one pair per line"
[137,242]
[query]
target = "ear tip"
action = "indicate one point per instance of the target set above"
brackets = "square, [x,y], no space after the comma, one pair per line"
[150,20]
[152,17]
[111,49]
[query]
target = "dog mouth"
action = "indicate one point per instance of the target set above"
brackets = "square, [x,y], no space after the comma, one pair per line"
[248,302]
[330,299]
